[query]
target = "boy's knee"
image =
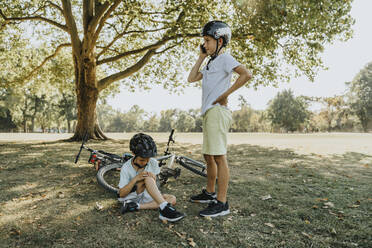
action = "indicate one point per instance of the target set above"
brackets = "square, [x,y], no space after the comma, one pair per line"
[219,158]
[149,180]
[209,159]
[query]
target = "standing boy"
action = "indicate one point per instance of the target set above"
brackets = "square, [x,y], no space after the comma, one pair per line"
[137,186]
[217,118]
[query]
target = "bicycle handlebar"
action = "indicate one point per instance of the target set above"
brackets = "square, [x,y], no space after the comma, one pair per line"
[82,146]
[170,139]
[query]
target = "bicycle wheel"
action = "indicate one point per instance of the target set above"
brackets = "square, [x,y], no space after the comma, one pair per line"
[192,165]
[108,177]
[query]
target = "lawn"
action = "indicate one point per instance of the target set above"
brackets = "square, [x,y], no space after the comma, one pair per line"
[279,197]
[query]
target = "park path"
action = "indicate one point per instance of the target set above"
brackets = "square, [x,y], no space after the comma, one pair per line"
[318,143]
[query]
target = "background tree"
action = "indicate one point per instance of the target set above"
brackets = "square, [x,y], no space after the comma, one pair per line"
[7,100]
[117,123]
[242,117]
[360,95]
[105,113]
[67,108]
[133,119]
[121,37]
[6,122]
[196,115]
[167,120]
[334,111]
[185,122]
[151,124]
[287,111]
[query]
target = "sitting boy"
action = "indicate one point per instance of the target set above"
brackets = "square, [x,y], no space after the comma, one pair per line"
[137,186]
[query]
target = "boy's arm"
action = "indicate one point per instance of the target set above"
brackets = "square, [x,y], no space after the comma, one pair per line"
[195,74]
[123,192]
[244,76]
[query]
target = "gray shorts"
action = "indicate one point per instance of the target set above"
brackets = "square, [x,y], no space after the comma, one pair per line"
[140,198]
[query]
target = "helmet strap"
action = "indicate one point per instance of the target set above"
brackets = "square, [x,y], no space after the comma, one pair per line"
[217,51]
[138,165]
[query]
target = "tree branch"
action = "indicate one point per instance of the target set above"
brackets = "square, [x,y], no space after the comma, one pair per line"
[162,22]
[116,38]
[100,10]
[124,33]
[158,12]
[56,6]
[88,8]
[117,57]
[165,39]
[104,19]
[103,83]
[46,60]
[145,31]
[168,48]
[31,18]
[152,46]
[108,49]
[72,29]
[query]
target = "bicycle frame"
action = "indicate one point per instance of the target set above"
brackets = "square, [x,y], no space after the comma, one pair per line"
[101,158]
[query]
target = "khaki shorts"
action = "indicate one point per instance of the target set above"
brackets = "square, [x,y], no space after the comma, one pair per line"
[216,124]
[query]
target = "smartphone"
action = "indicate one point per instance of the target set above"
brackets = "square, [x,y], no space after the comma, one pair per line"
[203,48]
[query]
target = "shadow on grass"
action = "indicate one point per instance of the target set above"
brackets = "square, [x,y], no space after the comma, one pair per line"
[316,201]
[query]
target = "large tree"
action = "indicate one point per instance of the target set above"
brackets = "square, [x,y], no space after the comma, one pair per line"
[360,95]
[287,111]
[121,37]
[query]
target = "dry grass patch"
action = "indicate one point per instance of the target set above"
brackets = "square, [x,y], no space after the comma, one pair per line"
[278,198]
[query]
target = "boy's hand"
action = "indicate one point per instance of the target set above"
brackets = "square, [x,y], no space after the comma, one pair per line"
[222,100]
[142,176]
[152,175]
[201,53]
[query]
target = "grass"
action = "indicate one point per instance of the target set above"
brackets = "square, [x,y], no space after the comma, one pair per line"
[316,201]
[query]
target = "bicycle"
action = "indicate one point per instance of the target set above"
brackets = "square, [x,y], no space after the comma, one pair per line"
[108,165]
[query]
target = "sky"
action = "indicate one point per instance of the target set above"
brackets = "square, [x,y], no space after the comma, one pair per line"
[343,59]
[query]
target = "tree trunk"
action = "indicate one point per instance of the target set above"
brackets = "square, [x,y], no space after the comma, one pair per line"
[24,124]
[32,129]
[87,95]
[24,117]
[68,126]
[87,122]
[365,125]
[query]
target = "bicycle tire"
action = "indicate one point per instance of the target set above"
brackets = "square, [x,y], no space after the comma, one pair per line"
[192,165]
[101,179]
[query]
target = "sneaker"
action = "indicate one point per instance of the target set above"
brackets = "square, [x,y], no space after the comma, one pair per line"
[128,206]
[203,197]
[169,213]
[215,208]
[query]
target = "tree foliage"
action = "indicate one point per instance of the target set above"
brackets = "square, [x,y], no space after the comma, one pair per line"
[360,94]
[121,37]
[287,111]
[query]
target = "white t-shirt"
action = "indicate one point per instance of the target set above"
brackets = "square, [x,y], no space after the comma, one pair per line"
[127,172]
[217,79]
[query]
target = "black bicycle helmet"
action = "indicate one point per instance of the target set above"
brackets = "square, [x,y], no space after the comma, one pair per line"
[217,29]
[143,145]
